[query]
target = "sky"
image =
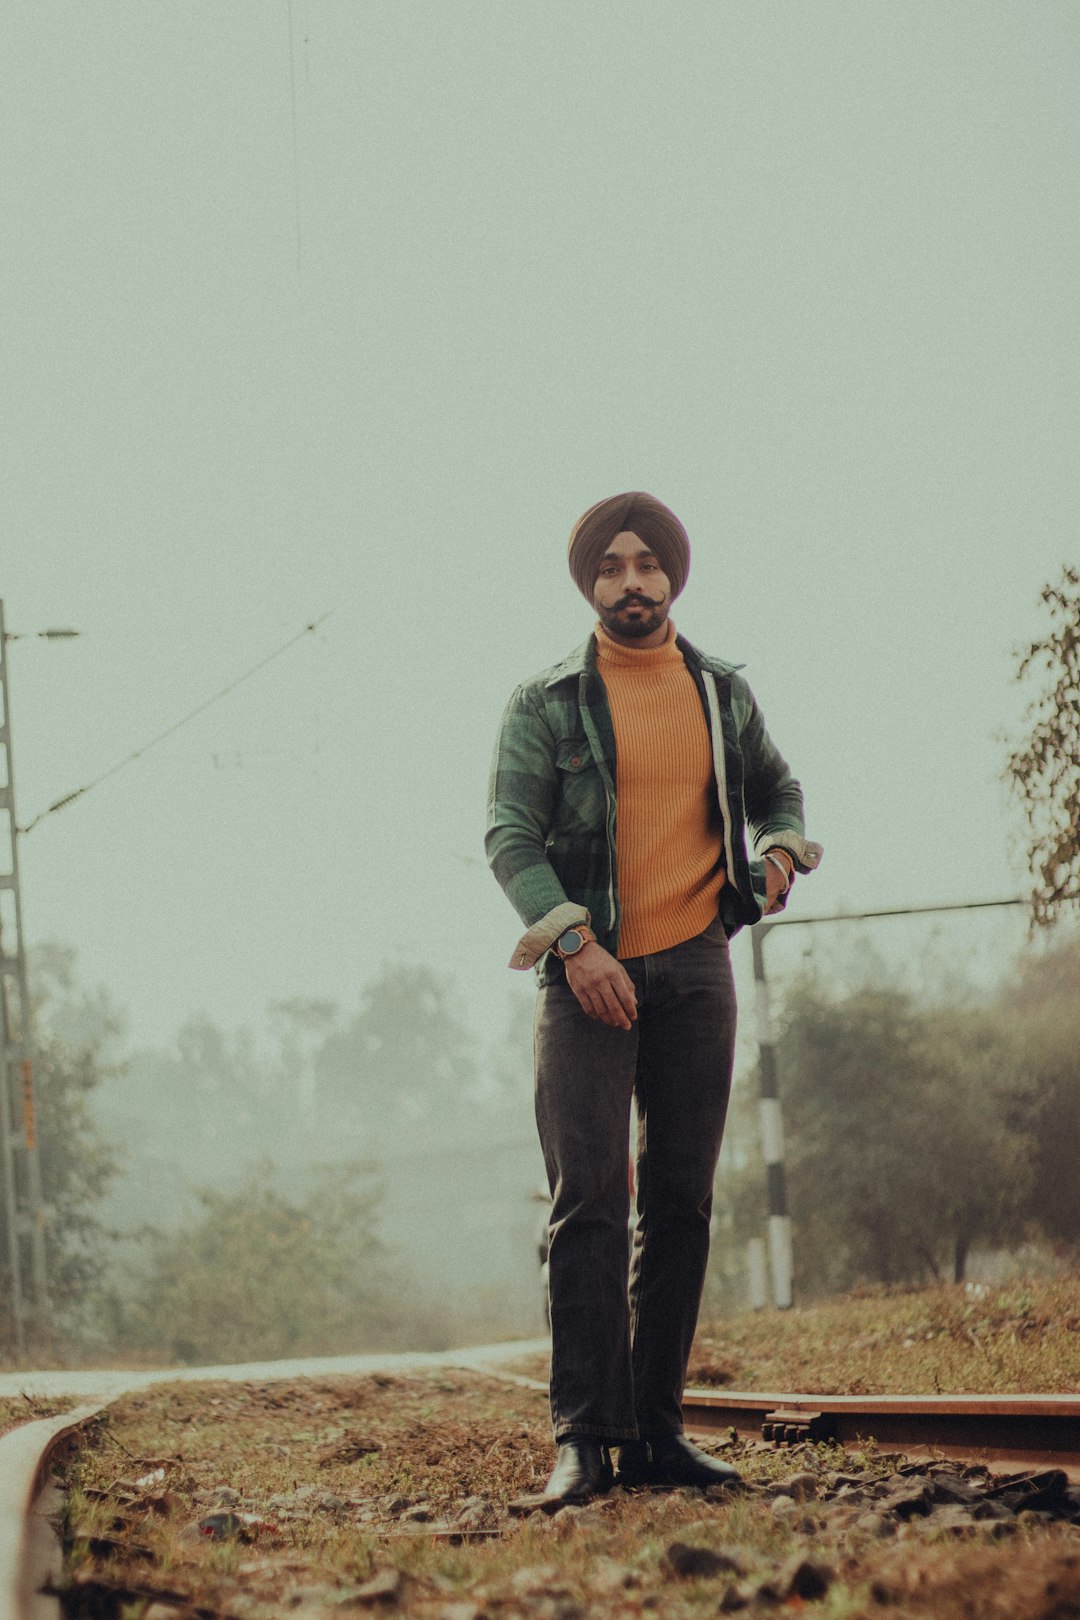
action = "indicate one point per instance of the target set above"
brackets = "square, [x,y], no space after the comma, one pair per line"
[350,308]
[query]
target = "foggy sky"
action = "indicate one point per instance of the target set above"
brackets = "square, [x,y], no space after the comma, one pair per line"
[364,324]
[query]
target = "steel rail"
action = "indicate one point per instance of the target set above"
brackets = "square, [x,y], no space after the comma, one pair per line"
[29,1548]
[1014,1431]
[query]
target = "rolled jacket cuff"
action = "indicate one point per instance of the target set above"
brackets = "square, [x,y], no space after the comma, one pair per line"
[806,854]
[543,934]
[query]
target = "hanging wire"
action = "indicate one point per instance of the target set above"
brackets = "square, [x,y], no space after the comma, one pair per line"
[295,137]
[137,753]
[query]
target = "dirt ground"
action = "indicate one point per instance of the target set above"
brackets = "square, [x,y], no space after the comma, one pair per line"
[398,1495]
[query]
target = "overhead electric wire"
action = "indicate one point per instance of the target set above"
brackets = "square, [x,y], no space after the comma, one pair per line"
[200,708]
[892,911]
[295,137]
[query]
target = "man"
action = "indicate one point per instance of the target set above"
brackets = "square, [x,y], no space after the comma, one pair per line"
[623,783]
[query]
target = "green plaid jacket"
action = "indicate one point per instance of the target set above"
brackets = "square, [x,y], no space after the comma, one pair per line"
[551,802]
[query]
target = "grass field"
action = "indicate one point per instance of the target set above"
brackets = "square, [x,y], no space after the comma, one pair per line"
[395,1494]
[1012,1339]
[1019,1338]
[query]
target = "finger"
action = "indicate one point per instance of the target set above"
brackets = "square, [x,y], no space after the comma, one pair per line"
[584,1000]
[627,996]
[613,1012]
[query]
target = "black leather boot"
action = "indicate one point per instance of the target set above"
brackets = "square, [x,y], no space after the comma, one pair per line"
[582,1469]
[673,1460]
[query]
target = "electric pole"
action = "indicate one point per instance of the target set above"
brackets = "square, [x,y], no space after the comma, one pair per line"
[22,1218]
[772,1129]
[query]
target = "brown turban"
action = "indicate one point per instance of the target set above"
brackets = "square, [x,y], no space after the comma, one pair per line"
[645,516]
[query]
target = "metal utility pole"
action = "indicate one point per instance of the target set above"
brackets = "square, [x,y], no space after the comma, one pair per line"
[21,1214]
[772,1129]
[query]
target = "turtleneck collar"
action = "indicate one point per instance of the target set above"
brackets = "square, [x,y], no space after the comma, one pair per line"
[613,653]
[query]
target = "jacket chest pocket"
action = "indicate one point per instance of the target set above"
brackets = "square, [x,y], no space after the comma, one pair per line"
[581,805]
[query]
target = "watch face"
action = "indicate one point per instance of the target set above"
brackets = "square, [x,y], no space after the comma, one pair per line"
[570,942]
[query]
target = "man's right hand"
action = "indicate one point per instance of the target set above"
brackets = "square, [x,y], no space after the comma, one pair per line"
[602,986]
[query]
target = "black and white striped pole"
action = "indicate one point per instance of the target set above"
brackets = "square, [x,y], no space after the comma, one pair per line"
[772,1130]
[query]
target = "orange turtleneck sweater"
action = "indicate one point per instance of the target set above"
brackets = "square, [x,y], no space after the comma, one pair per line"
[668,842]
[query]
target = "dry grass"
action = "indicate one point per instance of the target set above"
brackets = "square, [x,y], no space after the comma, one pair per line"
[1015,1339]
[320,1513]
[1020,1338]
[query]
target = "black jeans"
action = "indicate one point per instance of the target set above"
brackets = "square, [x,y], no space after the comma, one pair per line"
[621,1324]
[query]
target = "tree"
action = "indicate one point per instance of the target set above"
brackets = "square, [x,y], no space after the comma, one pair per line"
[258,1274]
[1045,773]
[78,1165]
[980,1166]
[900,1154]
[1043,1006]
[76,1036]
[403,1068]
[204,1107]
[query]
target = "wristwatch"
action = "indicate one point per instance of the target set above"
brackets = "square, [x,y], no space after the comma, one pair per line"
[569,943]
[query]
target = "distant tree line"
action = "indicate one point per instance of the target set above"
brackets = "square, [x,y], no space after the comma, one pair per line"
[916,1132]
[258,1274]
[216,1200]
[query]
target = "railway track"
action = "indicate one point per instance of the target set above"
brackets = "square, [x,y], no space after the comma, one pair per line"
[29,1550]
[1018,1432]
[1002,1431]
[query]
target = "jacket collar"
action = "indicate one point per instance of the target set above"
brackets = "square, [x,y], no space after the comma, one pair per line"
[574,664]
[693,656]
[583,659]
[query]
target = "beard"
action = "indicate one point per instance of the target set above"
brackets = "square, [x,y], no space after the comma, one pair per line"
[616,623]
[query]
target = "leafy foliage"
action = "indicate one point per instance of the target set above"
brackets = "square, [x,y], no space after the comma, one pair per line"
[1045,773]
[77,1165]
[900,1152]
[257,1274]
[403,1064]
[916,1132]
[73,1059]
[1043,1006]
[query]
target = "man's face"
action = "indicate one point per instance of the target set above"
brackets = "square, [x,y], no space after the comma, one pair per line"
[632,594]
